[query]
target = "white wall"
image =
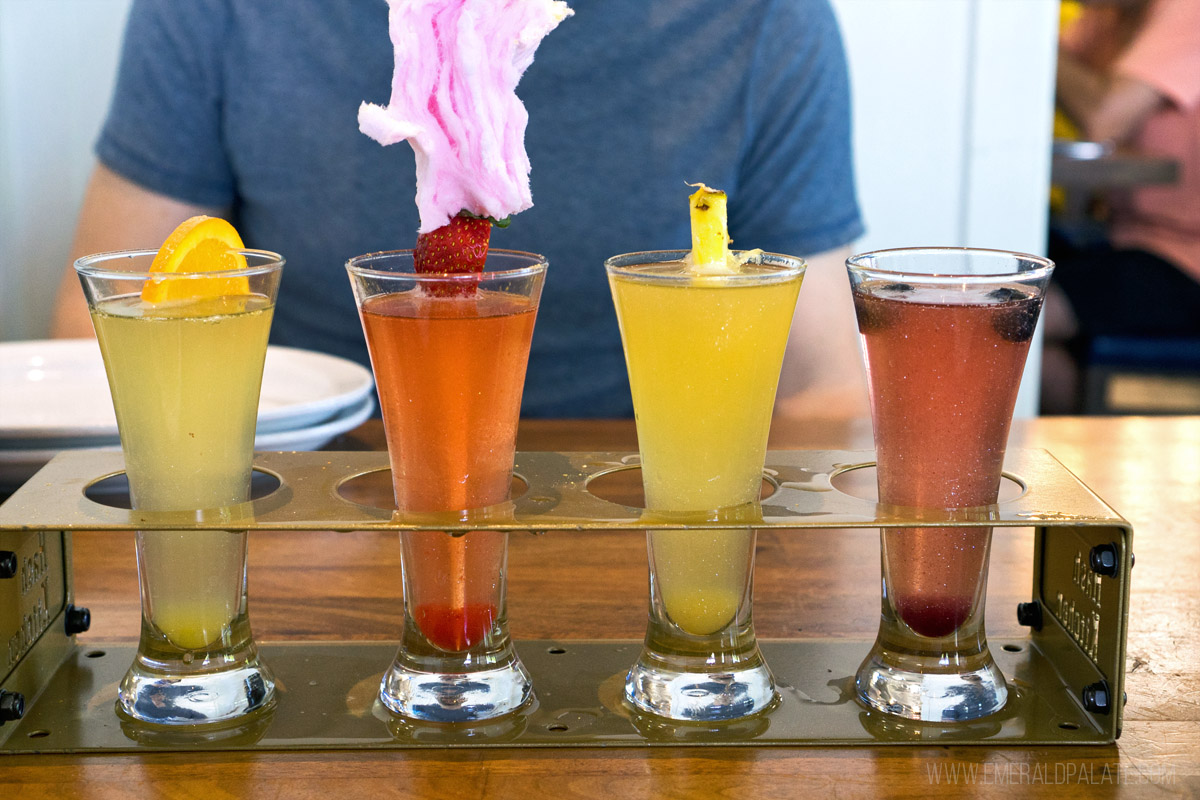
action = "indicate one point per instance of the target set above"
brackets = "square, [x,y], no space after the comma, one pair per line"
[952,104]
[57,63]
[953,112]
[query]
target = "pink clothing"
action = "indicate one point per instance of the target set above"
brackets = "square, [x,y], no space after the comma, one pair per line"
[1164,54]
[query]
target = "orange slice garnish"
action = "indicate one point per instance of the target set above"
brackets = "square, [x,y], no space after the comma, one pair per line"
[199,244]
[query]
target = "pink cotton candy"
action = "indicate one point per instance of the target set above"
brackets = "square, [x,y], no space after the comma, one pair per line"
[454,99]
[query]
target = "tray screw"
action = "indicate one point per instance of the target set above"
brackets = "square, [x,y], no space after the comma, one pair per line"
[1030,615]
[78,619]
[8,564]
[1096,697]
[1103,560]
[12,706]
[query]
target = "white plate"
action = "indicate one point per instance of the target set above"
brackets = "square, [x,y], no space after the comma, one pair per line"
[316,436]
[54,393]
[54,388]
[17,466]
[301,388]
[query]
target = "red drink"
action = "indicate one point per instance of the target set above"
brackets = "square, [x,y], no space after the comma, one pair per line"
[944,367]
[946,331]
[450,372]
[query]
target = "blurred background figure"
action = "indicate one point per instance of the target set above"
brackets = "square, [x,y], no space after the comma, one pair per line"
[1128,78]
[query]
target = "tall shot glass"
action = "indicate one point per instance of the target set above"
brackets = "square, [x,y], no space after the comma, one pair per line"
[945,333]
[704,355]
[184,355]
[449,352]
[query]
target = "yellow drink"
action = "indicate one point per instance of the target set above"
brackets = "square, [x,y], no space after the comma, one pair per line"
[185,378]
[704,355]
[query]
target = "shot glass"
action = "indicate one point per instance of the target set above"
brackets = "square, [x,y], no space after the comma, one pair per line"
[945,333]
[704,355]
[185,368]
[449,352]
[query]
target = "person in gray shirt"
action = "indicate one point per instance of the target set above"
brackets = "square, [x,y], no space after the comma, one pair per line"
[247,109]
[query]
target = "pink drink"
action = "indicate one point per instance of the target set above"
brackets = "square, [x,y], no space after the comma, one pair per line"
[450,371]
[450,366]
[944,368]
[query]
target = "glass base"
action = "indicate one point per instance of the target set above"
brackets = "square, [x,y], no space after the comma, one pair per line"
[160,697]
[932,695]
[656,687]
[456,696]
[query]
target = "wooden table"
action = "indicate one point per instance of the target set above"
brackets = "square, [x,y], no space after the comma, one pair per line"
[325,586]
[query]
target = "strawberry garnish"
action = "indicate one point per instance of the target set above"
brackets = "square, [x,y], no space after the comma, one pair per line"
[457,247]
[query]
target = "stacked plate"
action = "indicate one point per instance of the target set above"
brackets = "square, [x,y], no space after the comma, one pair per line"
[54,396]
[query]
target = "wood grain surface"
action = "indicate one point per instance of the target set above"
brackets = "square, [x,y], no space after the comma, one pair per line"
[325,586]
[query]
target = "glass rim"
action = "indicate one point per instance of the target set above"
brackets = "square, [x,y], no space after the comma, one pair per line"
[795,267]
[91,266]
[355,267]
[1042,270]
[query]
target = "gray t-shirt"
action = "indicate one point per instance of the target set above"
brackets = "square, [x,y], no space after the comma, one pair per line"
[252,105]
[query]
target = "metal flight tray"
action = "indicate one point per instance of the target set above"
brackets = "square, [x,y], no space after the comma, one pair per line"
[1066,678]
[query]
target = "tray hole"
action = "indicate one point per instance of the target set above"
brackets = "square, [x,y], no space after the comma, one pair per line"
[860,481]
[556,651]
[1013,648]
[113,491]
[623,485]
[1068,726]
[95,654]
[557,727]
[40,733]
[374,489]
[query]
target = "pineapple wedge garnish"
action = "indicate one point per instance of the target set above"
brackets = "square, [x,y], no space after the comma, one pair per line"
[710,226]
[710,233]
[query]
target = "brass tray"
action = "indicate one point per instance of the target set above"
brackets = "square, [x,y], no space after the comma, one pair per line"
[1067,677]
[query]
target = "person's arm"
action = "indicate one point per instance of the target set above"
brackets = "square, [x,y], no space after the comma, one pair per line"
[1108,109]
[796,195]
[823,374]
[117,214]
